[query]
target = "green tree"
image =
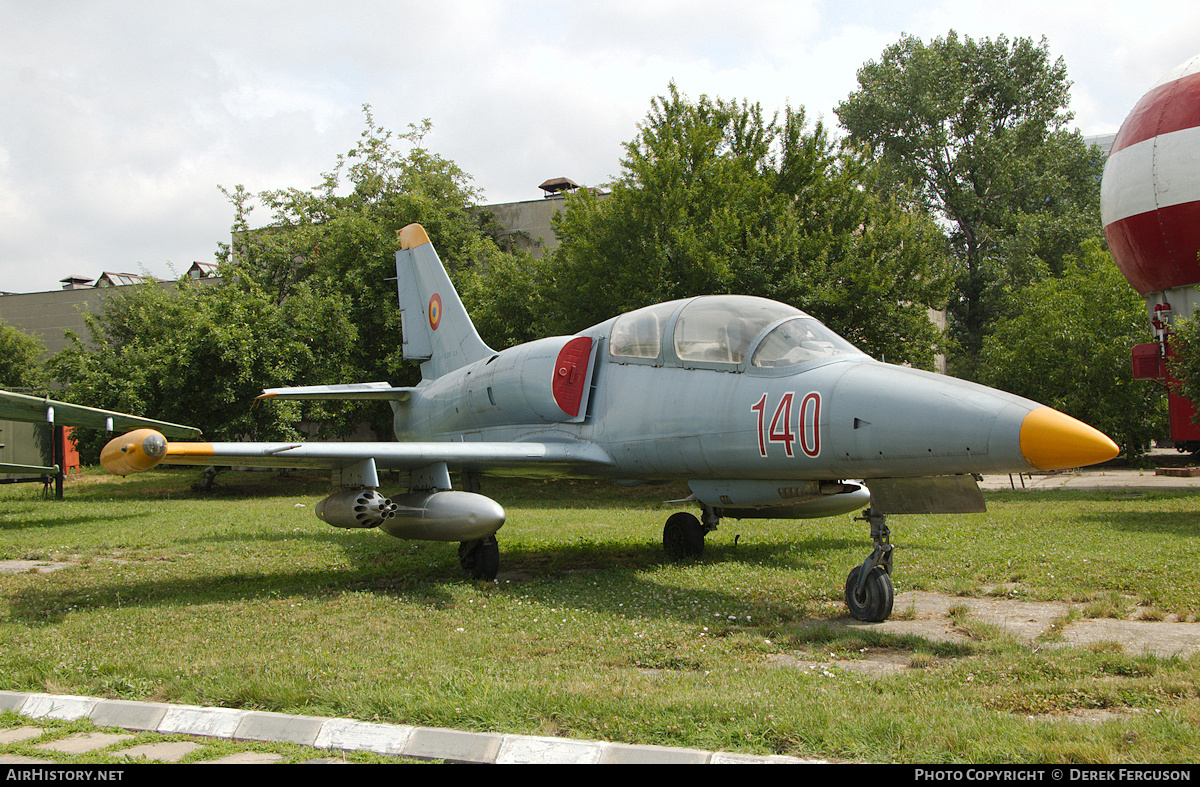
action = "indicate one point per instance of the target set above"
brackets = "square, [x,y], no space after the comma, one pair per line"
[1184,362]
[977,132]
[200,354]
[715,197]
[338,240]
[20,359]
[340,237]
[309,298]
[1070,348]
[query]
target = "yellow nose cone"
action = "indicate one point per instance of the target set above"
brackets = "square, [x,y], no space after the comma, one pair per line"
[1051,440]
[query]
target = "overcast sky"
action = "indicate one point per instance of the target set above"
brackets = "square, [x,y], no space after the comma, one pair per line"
[119,120]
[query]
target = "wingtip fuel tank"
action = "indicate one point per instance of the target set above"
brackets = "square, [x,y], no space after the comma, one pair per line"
[133,452]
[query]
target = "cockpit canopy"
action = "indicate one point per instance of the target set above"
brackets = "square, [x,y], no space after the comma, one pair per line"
[723,330]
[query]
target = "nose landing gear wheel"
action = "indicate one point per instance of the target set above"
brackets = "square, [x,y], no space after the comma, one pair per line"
[872,602]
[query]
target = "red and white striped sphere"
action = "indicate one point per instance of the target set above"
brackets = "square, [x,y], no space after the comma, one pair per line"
[1150,195]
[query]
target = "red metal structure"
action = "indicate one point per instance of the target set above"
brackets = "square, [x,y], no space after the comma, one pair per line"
[1150,204]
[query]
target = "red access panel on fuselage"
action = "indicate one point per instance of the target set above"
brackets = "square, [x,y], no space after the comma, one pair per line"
[570,374]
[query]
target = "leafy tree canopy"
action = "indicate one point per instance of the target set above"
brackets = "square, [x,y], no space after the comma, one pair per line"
[340,237]
[200,354]
[307,299]
[1184,360]
[717,197]
[1069,348]
[20,359]
[977,132]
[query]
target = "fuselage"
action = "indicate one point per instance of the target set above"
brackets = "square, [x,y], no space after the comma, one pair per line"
[693,389]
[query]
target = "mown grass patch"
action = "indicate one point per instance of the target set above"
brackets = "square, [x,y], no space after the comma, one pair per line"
[243,598]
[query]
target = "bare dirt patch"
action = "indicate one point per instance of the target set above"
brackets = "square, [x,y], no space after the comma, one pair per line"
[1048,624]
[30,566]
[44,566]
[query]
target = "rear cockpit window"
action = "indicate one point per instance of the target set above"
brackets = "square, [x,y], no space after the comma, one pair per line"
[800,341]
[720,329]
[638,334]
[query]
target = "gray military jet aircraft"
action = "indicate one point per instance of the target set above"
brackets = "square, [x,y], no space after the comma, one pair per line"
[760,408]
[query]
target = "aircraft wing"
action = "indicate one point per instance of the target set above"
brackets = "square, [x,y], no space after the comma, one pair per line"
[20,407]
[6,469]
[138,451]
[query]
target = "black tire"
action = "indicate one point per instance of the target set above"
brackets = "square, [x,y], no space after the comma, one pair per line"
[480,557]
[683,537]
[874,604]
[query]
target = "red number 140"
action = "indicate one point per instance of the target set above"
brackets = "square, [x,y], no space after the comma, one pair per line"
[780,430]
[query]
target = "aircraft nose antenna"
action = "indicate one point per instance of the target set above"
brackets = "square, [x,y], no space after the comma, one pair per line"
[1051,440]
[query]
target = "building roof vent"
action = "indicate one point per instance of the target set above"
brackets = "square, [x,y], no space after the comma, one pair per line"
[556,186]
[75,282]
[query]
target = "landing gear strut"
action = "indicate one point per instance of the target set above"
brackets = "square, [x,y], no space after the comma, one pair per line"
[869,592]
[480,557]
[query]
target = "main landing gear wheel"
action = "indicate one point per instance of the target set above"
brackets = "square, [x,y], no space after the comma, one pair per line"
[683,537]
[480,557]
[870,601]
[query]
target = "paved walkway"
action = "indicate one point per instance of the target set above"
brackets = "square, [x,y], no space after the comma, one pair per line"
[1176,476]
[51,745]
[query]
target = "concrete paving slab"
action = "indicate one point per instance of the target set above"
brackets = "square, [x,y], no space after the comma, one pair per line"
[530,750]
[246,758]
[18,759]
[144,716]
[624,754]
[84,742]
[167,751]
[352,735]
[58,706]
[452,745]
[726,758]
[18,734]
[193,720]
[1100,477]
[13,700]
[1137,637]
[30,566]
[279,727]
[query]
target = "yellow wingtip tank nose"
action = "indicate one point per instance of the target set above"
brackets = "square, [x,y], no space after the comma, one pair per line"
[133,452]
[1051,440]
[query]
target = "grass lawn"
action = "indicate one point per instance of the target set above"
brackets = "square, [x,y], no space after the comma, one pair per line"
[242,598]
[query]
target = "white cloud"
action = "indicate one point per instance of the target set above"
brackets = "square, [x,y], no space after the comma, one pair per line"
[119,120]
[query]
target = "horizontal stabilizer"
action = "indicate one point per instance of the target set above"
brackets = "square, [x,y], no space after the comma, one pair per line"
[359,391]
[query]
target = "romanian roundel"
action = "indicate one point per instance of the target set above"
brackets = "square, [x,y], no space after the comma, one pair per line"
[435,311]
[1150,195]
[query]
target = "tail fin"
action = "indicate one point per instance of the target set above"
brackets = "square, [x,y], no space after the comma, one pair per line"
[434,321]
